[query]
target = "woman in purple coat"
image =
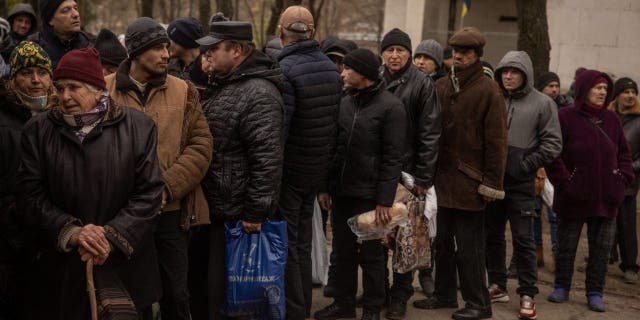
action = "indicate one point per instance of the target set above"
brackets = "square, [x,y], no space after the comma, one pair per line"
[590,176]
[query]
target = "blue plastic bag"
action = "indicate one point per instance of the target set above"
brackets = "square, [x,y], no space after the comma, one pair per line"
[255,271]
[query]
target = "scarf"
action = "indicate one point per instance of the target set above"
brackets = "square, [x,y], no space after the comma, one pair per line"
[34,104]
[82,124]
[593,111]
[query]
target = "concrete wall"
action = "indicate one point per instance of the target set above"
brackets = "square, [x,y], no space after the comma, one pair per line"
[602,35]
[595,34]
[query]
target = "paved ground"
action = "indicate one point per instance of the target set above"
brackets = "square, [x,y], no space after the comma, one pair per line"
[622,300]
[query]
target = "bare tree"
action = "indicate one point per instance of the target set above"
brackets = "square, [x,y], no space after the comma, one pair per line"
[533,35]
[276,9]
[146,8]
[225,6]
[204,7]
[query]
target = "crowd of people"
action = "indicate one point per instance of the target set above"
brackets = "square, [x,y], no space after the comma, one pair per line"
[132,157]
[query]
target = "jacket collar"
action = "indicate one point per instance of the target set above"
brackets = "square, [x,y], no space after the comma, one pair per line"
[125,84]
[466,76]
[396,78]
[613,106]
[298,47]
[364,96]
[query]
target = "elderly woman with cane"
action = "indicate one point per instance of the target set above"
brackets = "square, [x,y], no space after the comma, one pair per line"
[89,182]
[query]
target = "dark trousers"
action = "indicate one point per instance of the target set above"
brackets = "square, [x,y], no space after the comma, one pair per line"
[172,246]
[626,236]
[349,254]
[464,230]
[296,207]
[600,233]
[402,288]
[524,249]
[207,271]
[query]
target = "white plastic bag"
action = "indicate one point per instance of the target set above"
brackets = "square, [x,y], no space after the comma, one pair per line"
[365,228]
[547,193]
[319,255]
[431,210]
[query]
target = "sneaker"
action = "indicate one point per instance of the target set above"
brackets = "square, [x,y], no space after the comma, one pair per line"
[527,308]
[630,277]
[559,295]
[335,311]
[595,302]
[498,295]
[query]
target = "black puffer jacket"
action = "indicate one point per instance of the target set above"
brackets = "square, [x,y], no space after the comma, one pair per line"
[371,137]
[111,179]
[424,125]
[312,92]
[244,111]
[192,72]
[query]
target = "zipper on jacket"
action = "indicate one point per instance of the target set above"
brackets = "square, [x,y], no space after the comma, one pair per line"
[353,125]
[510,111]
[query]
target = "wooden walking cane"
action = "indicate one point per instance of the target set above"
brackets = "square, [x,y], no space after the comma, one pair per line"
[91,289]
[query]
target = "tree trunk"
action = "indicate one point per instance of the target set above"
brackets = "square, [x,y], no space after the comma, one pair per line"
[204,7]
[225,6]
[147,8]
[533,36]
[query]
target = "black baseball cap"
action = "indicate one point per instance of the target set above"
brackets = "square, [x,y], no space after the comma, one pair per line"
[227,30]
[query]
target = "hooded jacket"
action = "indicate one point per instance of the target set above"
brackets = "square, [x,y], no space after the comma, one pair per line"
[185,144]
[110,179]
[245,113]
[312,92]
[370,142]
[630,119]
[15,38]
[535,137]
[417,92]
[594,167]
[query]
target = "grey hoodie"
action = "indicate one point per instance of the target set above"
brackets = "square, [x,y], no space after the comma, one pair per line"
[535,138]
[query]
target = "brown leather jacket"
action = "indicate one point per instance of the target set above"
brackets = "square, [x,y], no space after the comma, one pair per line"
[185,145]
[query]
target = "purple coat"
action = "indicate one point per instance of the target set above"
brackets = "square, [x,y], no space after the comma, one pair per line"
[592,171]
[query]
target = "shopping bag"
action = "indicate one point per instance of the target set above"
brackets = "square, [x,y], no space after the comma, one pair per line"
[412,245]
[255,271]
[319,255]
[547,193]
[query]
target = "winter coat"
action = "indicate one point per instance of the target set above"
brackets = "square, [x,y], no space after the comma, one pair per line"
[244,110]
[184,141]
[534,138]
[563,100]
[593,169]
[14,38]
[312,93]
[370,143]
[110,179]
[630,120]
[473,146]
[13,116]
[417,92]
[55,47]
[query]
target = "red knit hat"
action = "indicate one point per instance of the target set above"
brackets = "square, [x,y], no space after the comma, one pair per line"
[81,65]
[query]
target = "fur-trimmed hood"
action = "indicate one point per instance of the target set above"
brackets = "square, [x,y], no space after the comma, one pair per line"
[613,106]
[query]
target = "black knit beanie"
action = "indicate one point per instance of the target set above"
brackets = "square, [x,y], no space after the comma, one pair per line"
[364,62]
[48,9]
[185,32]
[623,84]
[142,34]
[111,50]
[545,78]
[396,37]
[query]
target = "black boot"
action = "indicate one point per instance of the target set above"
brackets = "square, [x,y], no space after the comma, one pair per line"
[397,310]
[335,311]
[370,315]
[472,314]
[433,303]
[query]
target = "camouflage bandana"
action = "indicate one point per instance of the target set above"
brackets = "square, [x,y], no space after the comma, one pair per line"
[29,54]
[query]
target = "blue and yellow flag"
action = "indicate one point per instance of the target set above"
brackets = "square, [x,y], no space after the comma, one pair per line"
[466,5]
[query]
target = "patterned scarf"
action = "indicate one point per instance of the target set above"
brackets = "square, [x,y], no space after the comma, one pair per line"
[82,124]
